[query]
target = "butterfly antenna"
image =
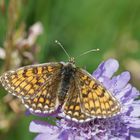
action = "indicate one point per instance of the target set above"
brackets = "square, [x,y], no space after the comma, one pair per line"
[57,42]
[93,50]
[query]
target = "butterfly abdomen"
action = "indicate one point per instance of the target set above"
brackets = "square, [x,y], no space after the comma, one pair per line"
[67,73]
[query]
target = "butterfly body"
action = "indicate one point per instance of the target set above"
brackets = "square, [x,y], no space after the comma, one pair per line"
[67,74]
[44,87]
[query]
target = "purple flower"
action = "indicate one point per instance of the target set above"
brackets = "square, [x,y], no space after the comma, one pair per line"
[124,126]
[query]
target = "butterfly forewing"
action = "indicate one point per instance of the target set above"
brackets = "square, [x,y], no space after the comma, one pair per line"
[37,85]
[95,100]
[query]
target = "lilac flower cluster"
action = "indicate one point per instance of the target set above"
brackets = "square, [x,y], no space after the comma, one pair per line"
[125,126]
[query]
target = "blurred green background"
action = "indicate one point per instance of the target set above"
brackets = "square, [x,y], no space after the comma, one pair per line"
[111,26]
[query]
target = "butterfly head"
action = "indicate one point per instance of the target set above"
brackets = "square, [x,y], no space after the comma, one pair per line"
[72,60]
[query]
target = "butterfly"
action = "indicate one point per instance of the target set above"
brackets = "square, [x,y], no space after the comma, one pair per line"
[45,87]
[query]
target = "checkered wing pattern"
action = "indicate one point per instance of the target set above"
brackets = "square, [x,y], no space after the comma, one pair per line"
[95,99]
[72,108]
[35,86]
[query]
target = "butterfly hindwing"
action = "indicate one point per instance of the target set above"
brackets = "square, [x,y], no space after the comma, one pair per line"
[46,99]
[95,99]
[72,108]
[35,85]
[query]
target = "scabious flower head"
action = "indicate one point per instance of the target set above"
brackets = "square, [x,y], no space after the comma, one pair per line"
[124,126]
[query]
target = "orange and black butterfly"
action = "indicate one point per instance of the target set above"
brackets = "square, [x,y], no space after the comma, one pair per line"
[44,87]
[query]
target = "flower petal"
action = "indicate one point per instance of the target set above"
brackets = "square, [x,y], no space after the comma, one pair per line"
[135,133]
[41,127]
[134,138]
[136,109]
[134,122]
[46,136]
[117,83]
[106,69]
[124,92]
[63,135]
[118,138]
[130,96]
[27,112]
[120,81]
